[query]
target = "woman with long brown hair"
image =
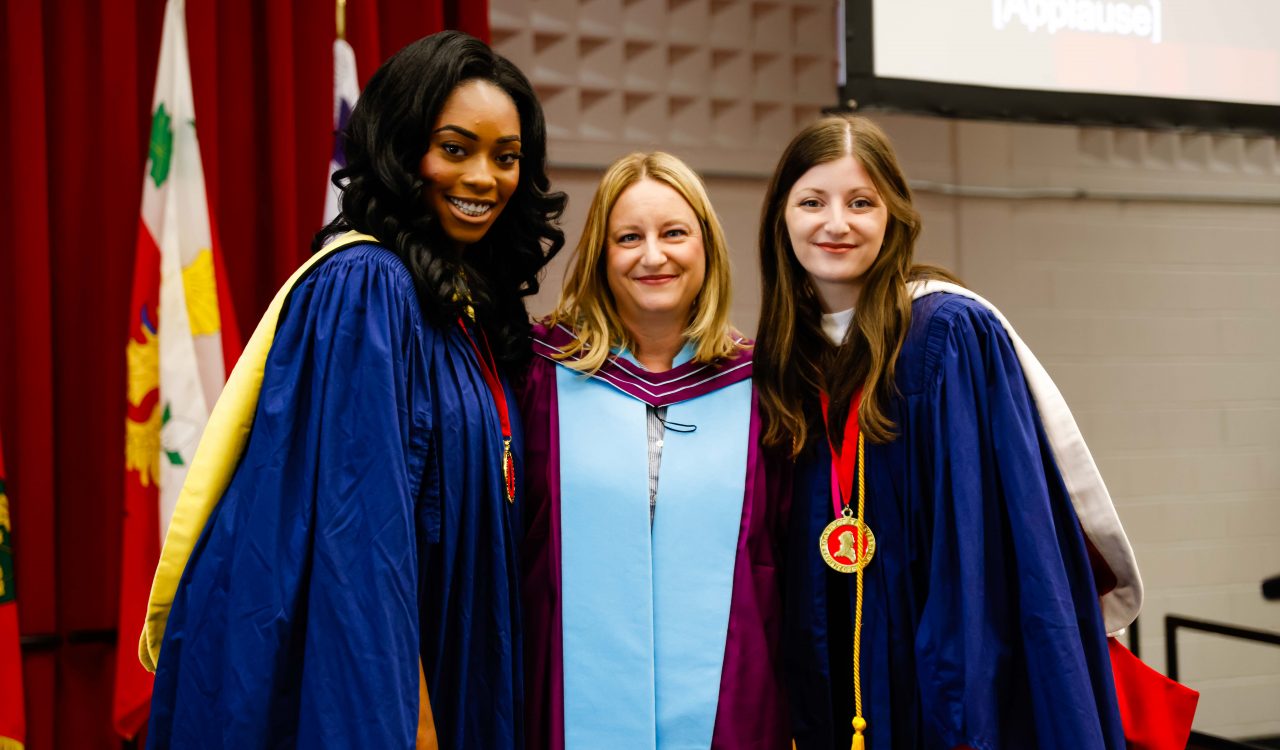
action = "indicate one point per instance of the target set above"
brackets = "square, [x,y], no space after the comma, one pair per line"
[939,587]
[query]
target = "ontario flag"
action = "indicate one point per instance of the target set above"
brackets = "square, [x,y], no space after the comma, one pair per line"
[13,724]
[182,343]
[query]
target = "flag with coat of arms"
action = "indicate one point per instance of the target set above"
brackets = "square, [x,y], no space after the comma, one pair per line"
[182,343]
[12,710]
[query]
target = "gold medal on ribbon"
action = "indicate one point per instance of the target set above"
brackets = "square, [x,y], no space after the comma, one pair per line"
[847,544]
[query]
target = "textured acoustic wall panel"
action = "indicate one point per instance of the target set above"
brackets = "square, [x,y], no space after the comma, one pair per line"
[723,83]
[1157,318]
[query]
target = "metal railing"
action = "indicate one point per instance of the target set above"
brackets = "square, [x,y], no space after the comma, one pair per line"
[1202,741]
[1173,622]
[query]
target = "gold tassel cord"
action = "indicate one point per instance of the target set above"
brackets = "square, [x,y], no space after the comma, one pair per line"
[859,724]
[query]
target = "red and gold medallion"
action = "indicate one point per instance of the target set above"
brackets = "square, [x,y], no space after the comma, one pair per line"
[847,545]
[489,372]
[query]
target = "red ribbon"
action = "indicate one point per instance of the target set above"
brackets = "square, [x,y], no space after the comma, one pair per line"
[843,462]
[489,371]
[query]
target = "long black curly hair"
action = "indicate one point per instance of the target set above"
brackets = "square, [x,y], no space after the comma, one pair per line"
[383,191]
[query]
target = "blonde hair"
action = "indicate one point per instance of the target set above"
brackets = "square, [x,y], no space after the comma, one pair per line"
[586,302]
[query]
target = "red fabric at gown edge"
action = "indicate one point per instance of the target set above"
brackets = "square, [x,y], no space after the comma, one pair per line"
[1156,711]
[76,88]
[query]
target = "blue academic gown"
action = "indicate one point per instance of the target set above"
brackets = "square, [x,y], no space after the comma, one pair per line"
[981,624]
[365,528]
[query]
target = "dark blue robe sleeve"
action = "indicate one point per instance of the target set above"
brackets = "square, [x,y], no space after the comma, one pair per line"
[1010,648]
[297,619]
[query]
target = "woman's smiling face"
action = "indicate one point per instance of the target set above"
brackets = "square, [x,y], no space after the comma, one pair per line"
[472,165]
[655,261]
[836,220]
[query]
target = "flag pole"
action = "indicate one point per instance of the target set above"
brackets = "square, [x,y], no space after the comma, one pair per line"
[346,89]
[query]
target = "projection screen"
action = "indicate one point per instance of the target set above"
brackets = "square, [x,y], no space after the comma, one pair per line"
[1153,63]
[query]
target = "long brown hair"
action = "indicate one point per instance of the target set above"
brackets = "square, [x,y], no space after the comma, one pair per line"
[794,360]
[586,303]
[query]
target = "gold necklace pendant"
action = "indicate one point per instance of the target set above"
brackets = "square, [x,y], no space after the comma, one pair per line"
[463,295]
[847,544]
[508,471]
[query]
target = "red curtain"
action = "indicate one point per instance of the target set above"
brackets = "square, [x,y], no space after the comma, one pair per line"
[75,94]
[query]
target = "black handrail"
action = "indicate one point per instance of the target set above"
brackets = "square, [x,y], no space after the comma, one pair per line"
[1271,588]
[1173,622]
[1202,741]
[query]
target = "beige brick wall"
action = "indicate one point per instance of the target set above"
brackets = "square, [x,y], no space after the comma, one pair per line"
[1160,321]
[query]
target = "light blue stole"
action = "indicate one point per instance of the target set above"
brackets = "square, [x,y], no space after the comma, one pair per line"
[646,610]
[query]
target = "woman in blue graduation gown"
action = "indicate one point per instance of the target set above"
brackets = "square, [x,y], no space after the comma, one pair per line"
[363,519]
[954,560]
